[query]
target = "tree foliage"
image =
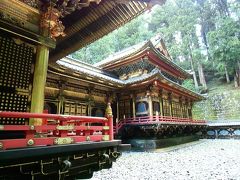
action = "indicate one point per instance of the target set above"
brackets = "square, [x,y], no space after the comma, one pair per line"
[225,43]
[132,33]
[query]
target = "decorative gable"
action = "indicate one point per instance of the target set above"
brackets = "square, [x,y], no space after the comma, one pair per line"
[135,69]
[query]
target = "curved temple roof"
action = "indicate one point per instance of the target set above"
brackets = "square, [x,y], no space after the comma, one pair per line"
[145,46]
[89,70]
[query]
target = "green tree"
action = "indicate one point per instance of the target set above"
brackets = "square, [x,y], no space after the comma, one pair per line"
[201,35]
[225,46]
[177,21]
[132,33]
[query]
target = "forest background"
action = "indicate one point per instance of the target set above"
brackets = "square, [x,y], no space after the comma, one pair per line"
[202,36]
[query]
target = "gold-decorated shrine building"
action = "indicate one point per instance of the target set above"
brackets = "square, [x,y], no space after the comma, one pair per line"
[34,34]
[139,81]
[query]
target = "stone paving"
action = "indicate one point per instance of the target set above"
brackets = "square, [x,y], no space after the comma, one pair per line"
[207,160]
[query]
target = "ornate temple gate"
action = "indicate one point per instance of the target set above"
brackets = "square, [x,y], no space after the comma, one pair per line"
[16,62]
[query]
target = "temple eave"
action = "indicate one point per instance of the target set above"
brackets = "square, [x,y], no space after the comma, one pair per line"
[163,83]
[85,30]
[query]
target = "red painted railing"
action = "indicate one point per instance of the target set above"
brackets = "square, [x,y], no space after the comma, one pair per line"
[59,129]
[158,120]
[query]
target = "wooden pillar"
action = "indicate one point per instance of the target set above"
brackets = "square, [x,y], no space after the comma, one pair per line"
[89,108]
[170,104]
[190,109]
[150,106]
[39,81]
[117,119]
[60,104]
[133,105]
[181,107]
[90,101]
[161,103]
[61,87]
[186,102]
[184,108]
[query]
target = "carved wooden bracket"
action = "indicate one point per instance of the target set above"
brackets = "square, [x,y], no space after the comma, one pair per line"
[50,21]
[55,9]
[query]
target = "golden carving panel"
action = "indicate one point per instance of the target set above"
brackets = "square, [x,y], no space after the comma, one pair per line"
[66,127]
[66,140]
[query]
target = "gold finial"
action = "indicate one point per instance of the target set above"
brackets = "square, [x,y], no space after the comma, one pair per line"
[108,111]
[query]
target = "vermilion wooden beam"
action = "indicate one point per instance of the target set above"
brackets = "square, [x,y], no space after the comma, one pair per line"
[51,116]
[47,141]
[154,58]
[174,90]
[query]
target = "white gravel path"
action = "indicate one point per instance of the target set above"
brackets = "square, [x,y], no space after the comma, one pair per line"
[211,159]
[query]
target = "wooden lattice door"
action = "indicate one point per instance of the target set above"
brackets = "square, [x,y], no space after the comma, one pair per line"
[16,59]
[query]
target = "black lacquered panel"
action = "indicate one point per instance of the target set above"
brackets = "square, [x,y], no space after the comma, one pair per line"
[15,62]
[16,58]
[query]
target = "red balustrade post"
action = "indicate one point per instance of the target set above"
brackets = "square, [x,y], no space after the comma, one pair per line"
[63,133]
[44,120]
[110,123]
[109,116]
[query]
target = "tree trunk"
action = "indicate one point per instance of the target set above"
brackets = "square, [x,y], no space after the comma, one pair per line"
[201,76]
[227,74]
[195,79]
[193,71]
[237,75]
[235,81]
[238,65]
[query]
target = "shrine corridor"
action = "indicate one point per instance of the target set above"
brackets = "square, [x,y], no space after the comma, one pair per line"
[206,159]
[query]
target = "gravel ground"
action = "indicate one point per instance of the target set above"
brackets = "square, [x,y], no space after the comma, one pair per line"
[209,159]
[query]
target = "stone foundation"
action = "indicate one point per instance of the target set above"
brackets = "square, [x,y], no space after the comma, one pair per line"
[151,144]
